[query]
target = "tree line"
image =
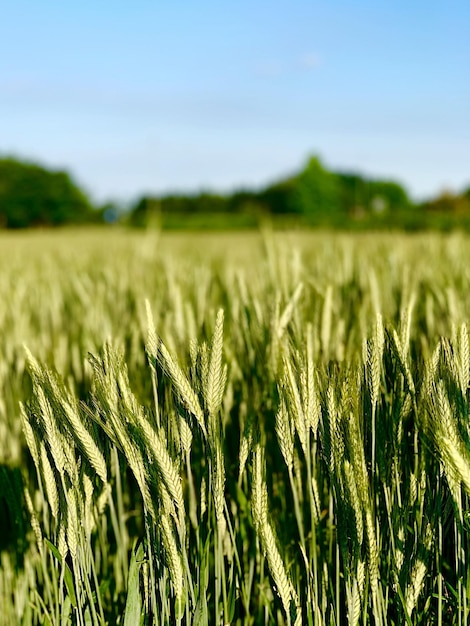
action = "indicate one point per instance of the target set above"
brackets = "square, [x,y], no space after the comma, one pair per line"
[31,195]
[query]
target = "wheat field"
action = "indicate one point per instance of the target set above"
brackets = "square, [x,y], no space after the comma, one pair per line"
[251,428]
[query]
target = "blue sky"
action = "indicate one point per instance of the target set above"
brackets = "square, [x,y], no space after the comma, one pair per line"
[142,96]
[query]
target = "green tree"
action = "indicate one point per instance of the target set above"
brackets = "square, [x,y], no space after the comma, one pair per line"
[279,198]
[33,196]
[388,195]
[353,194]
[317,192]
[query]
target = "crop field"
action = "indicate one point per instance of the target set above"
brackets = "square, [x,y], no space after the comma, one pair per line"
[251,429]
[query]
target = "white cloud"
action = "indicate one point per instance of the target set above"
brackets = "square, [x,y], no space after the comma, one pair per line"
[270,69]
[276,69]
[310,61]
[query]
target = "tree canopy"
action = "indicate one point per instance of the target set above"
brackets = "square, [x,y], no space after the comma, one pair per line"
[316,191]
[31,195]
[315,195]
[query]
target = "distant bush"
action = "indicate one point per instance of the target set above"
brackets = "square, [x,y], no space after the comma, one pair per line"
[33,196]
[448,202]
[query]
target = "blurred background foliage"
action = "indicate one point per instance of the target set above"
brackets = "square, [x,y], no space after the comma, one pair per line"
[33,196]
